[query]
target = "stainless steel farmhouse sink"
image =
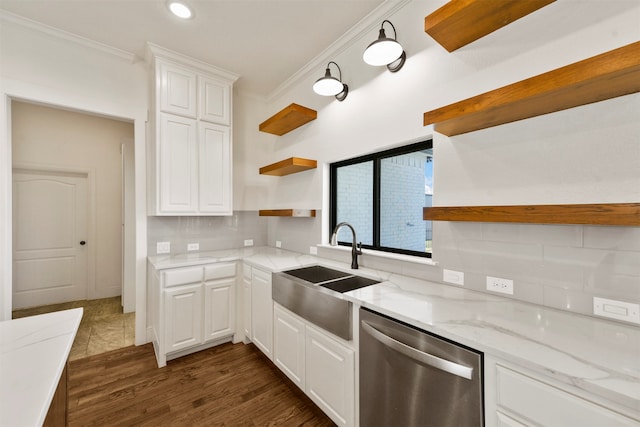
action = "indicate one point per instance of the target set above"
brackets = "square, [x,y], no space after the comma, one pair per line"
[314,294]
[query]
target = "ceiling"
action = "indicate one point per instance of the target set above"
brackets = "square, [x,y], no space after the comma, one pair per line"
[264,41]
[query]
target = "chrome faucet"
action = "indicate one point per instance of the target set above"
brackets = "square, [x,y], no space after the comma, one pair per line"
[355,249]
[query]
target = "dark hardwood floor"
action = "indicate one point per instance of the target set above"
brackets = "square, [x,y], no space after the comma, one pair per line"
[228,385]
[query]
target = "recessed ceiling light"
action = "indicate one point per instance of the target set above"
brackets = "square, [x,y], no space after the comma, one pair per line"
[181,10]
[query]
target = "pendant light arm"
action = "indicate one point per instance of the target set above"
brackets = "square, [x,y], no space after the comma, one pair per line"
[392,26]
[339,70]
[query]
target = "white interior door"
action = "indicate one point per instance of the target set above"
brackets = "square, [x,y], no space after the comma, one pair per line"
[49,238]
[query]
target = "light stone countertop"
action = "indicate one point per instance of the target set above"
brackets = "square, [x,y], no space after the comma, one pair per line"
[33,354]
[268,258]
[599,356]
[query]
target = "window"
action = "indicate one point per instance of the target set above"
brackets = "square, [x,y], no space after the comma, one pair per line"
[382,195]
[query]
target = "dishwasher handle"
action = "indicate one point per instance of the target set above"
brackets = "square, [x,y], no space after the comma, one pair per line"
[418,355]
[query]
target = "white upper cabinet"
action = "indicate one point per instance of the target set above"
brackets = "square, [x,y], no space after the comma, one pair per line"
[214,101]
[215,169]
[190,152]
[178,145]
[177,90]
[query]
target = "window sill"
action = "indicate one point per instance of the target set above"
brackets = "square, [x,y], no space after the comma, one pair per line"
[382,254]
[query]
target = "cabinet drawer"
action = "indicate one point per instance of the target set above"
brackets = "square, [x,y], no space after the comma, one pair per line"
[182,276]
[547,405]
[219,271]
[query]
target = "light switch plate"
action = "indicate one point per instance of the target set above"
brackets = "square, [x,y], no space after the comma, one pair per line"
[193,247]
[313,250]
[248,242]
[278,244]
[452,276]
[618,310]
[163,247]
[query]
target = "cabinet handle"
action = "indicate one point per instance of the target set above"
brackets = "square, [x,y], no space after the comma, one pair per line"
[418,355]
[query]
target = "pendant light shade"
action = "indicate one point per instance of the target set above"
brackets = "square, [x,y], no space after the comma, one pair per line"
[330,86]
[385,51]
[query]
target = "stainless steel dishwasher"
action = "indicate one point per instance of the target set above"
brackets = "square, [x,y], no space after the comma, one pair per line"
[409,377]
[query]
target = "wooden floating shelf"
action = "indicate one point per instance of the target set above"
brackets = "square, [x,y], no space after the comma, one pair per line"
[297,213]
[626,214]
[289,166]
[288,119]
[460,22]
[611,74]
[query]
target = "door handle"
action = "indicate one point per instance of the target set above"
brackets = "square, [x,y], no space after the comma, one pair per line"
[418,355]
[82,242]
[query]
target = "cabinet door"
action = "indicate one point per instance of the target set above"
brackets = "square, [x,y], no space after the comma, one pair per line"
[330,376]
[215,169]
[183,317]
[215,101]
[219,308]
[288,344]
[177,90]
[534,401]
[262,311]
[246,295]
[178,172]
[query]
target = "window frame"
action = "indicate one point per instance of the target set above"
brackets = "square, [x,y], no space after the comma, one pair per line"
[376,158]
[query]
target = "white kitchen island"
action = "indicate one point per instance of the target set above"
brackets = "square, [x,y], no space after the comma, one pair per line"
[33,357]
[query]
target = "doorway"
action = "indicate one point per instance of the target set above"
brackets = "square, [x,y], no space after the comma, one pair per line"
[49,237]
[69,211]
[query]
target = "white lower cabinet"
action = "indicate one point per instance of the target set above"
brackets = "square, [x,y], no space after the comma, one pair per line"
[330,376]
[190,308]
[246,300]
[219,303]
[517,397]
[262,311]
[318,363]
[183,317]
[289,344]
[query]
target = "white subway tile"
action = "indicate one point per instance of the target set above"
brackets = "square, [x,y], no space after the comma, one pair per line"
[615,238]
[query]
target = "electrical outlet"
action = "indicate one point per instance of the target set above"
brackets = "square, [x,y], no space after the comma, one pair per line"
[193,247]
[313,250]
[618,310]
[452,276]
[497,284]
[163,247]
[278,244]
[248,242]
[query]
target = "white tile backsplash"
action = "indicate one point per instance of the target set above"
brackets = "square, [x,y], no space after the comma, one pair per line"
[560,266]
[615,238]
[212,233]
[561,235]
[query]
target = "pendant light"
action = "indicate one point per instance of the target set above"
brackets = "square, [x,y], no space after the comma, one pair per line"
[330,86]
[385,51]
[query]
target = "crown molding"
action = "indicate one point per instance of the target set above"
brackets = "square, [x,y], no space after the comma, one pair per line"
[64,35]
[359,30]
[155,51]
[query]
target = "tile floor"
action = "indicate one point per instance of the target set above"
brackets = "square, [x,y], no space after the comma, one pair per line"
[103,328]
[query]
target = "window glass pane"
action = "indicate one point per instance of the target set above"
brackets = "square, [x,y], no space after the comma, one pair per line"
[354,201]
[406,182]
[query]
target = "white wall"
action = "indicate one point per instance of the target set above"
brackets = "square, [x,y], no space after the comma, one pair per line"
[45,66]
[589,154]
[48,137]
[250,147]
[385,109]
